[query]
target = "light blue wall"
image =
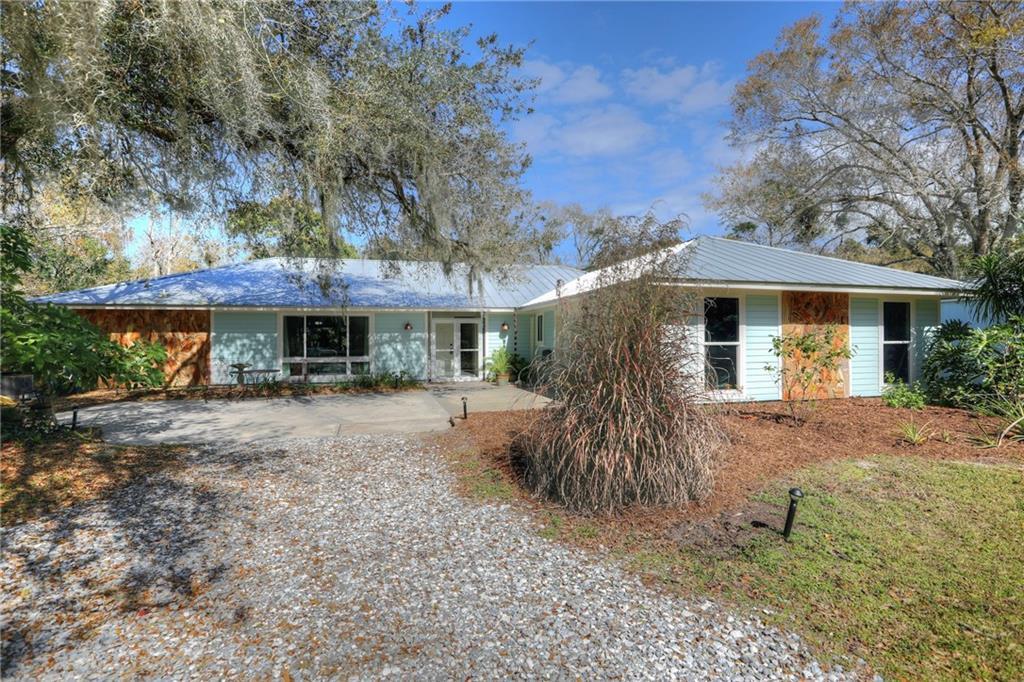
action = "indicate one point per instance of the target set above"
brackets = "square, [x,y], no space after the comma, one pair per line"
[549,331]
[524,337]
[495,338]
[393,349]
[762,313]
[926,319]
[865,363]
[242,337]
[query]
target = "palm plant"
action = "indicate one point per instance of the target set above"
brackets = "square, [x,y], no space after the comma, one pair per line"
[997,290]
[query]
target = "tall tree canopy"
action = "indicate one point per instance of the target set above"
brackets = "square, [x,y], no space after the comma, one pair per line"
[903,125]
[386,122]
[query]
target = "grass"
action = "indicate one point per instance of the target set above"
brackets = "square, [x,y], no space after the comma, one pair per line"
[913,565]
[45,474]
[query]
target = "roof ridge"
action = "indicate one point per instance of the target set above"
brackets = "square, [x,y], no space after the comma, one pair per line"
[818,255]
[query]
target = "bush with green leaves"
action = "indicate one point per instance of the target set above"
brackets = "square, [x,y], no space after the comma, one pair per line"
[965,366]
[899,394]
[62,351]
[504,361]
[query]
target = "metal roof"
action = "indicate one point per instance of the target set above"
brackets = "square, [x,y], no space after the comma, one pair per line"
[719,261]
[295,283]
[714,259]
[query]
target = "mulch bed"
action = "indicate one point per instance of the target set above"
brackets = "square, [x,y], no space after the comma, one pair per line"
[765,444]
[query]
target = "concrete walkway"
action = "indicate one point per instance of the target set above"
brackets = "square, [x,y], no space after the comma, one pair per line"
[484,397]
[262,419]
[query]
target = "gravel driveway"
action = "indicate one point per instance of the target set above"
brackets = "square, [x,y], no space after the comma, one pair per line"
[344,557]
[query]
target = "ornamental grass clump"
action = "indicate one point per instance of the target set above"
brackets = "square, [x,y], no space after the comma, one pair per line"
[625,428]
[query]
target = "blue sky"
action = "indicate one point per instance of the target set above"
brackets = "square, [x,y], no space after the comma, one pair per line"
[634,97]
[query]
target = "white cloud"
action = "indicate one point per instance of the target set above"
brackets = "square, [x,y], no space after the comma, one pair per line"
[549,75]
[615,129]
[583,85]
[567,84]
[607,131]
[686,89]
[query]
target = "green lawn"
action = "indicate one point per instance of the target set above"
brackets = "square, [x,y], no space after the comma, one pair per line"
[916,566]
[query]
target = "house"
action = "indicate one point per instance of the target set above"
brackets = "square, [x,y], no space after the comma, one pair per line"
[325,323]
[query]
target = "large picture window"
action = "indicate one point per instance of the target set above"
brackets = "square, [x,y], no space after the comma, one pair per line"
[896,341]
[722,342]
[324,345]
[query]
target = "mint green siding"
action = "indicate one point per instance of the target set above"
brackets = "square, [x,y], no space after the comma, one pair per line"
[495,338]
[524,337]
[242,337]
[865,369]
[549,331]
[393,349]
[762,317]
[926,319]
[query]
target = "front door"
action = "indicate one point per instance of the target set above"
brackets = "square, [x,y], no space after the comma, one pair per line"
[456,349]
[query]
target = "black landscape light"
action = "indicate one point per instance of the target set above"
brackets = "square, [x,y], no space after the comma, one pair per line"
[795,495]
[465,408]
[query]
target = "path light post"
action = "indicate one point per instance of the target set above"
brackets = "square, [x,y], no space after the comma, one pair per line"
[795,495]
[465,408]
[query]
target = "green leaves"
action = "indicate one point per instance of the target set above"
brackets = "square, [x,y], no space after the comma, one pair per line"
[964,365]
[805,361]
[385,121]
[57,346]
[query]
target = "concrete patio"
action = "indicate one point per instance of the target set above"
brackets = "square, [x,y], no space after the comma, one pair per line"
[256,420]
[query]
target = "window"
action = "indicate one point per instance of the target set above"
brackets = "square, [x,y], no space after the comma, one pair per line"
[896,341]
[326,345]
[722,342]
[540,328]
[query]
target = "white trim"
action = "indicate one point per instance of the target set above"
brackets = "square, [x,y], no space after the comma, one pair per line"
[739,392]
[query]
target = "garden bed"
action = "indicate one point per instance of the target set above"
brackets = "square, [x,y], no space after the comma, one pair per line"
[903,555]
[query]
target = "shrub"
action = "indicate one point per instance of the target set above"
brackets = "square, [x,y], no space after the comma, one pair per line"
[625,428]
[966,367]
[504,361]
[804,363]
[899,394]
[380,380]
[58,347]
[997,289]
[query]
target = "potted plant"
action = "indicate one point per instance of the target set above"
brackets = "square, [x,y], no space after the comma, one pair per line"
[500,365]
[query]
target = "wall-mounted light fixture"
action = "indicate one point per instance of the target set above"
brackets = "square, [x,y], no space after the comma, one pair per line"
[504,326]
[408,326]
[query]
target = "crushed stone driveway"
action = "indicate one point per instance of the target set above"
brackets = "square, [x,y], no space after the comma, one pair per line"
[346,557]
